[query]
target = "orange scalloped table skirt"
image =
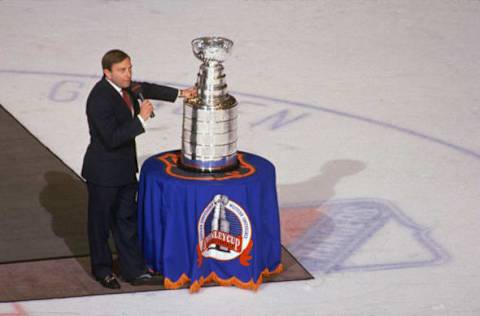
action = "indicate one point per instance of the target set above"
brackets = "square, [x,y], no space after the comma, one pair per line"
[213,277]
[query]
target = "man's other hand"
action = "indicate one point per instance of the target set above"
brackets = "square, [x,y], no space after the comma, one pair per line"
[188,93]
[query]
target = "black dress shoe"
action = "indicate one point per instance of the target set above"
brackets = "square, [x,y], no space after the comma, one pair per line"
[110,282]
[147,279]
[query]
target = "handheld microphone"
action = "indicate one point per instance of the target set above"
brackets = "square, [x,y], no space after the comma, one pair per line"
[137,89]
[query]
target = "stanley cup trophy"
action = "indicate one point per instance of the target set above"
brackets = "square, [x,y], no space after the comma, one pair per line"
[209,135]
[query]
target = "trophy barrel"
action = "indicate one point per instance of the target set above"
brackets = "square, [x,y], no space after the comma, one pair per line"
[209,136]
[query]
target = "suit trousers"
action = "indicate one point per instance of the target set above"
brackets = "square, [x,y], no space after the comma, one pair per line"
[114,209]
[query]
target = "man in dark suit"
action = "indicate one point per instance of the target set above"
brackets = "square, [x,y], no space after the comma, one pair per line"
[115,118]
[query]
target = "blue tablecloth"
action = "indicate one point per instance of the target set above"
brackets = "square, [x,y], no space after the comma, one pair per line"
[199,230]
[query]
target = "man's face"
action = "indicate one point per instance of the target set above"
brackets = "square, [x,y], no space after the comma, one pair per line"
[121,73]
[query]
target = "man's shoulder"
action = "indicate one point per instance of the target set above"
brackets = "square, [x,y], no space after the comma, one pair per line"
[101,89]
[102,85]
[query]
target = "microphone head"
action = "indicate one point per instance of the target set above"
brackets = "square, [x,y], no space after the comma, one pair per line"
[136,88]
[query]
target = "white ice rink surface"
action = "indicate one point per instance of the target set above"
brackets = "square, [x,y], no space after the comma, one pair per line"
[369,110]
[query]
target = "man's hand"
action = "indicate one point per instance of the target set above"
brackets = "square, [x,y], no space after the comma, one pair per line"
[146,108]
[188,93]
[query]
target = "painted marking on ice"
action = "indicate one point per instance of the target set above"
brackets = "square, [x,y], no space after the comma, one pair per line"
[279,119]
[346,227]
[65,90]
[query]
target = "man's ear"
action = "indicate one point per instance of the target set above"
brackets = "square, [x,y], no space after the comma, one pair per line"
[107,74]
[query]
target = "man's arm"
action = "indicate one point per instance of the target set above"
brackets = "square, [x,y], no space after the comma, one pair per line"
[158,92]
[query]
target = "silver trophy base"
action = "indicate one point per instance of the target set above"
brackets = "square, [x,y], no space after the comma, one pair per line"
[223,165]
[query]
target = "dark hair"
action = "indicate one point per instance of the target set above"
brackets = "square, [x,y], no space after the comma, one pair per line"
[113,56]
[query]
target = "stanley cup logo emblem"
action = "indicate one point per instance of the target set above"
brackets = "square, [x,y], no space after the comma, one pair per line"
[209,134]
[224,231]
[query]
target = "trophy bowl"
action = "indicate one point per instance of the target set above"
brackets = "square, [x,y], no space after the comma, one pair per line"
[212,48]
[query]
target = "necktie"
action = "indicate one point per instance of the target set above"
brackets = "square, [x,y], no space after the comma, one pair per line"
[128,101]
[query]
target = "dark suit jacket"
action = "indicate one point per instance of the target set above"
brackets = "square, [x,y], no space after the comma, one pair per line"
[111,158]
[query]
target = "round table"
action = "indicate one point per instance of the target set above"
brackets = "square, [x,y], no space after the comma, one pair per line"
[198,228]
